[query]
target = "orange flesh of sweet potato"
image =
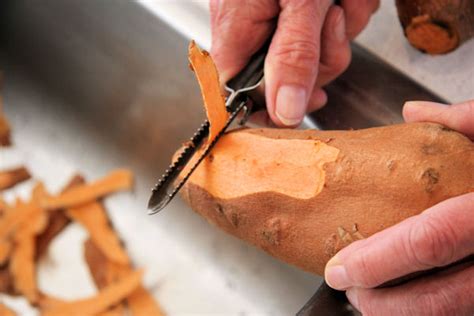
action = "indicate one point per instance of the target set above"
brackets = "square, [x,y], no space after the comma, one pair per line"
[94,218]
[5,311]
[107,297]
[141,303]
[208,79]
[9,178]
[113,312]
[238,156]
[22,267]
[115,181]
[11,220]
[22,261]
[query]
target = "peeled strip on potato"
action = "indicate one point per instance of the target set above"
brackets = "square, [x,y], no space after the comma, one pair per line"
[208,78]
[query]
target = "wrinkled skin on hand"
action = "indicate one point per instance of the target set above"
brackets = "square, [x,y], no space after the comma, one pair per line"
[310,47]
[441,235]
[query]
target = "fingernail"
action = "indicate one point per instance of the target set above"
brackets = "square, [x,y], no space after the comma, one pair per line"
[340,27]
[336,275]
[414,110]
[353,297]
[424,104]
[290,104]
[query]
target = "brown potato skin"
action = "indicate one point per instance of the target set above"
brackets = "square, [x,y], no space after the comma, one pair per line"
[381,176]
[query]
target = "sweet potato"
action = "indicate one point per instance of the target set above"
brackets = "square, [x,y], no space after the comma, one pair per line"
[303,195]
[436,26]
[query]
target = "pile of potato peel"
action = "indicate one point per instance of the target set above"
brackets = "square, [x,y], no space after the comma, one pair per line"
[27,227]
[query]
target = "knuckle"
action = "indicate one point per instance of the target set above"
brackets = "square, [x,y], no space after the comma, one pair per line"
[431,243]
[300,54]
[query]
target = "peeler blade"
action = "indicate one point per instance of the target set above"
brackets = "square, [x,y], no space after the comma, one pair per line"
[166,189]
[163,192]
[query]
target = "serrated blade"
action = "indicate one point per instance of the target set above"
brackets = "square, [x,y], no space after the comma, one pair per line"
[166,189]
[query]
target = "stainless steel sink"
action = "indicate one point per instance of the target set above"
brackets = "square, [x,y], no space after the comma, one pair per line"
[99,84]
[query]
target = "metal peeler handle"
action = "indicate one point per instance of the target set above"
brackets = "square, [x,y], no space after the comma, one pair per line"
[253,72]
[248,78]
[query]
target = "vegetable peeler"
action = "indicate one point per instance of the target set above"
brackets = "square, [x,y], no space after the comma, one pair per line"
[238,103]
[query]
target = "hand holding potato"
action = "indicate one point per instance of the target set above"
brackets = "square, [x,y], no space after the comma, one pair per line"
[437,237]
[310,47]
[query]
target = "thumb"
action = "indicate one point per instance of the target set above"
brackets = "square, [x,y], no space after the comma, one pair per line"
[291,65]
